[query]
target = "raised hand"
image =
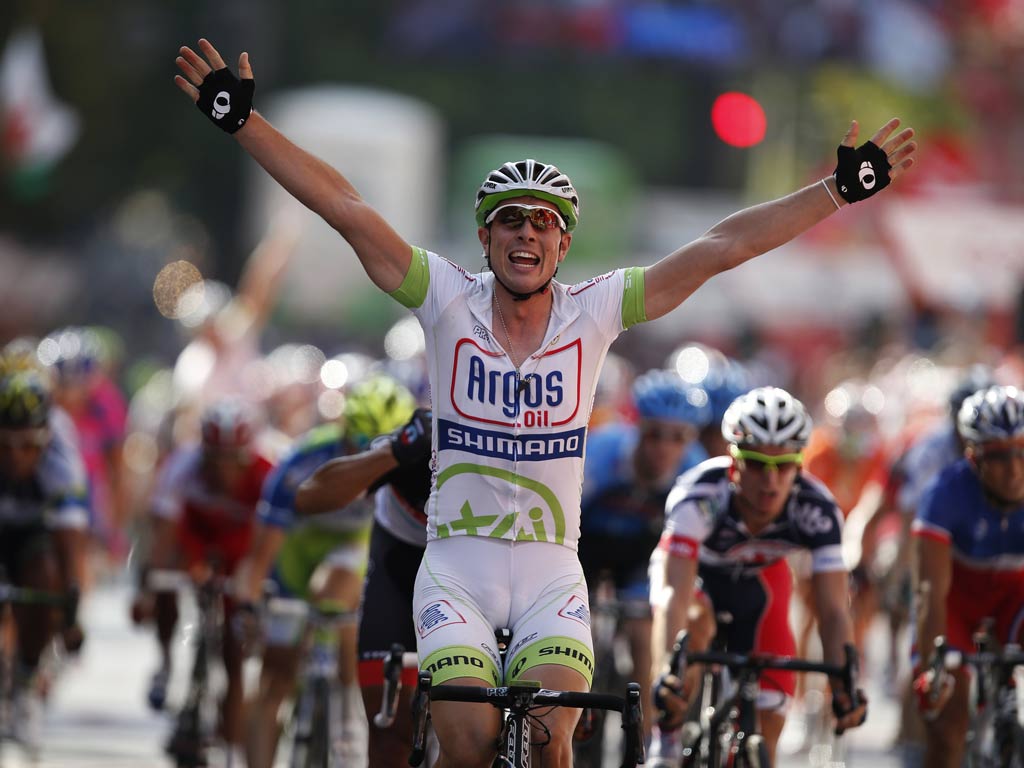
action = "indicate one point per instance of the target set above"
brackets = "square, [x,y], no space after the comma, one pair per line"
[222,97]
[868,169]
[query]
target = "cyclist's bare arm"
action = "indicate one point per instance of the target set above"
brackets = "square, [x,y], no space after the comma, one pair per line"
[934,576]
[383,253]
[341,481]
[758,229]
[672,607]
[832,603]
[253,570]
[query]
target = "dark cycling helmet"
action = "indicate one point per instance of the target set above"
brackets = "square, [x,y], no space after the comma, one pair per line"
[24,401]
[976,378]
[228,423]
[996,413]
[663,395]
[767,416]
[533,178]
[375,406]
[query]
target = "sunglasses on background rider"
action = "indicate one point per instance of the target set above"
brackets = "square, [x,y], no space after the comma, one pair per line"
[1002,452]
[514,215]
[759,462]
[24,439]
[659,432]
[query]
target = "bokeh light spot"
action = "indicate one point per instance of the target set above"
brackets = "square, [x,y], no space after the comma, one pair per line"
[738,119]
[171,284]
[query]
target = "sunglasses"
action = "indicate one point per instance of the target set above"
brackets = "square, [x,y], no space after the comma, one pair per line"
[658,432]
[760,462]
[1003,454]
[514,215]
[24,439]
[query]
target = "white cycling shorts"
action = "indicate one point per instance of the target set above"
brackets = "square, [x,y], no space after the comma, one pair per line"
[467,587]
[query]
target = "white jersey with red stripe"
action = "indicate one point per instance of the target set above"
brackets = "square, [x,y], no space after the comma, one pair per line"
[508,443]
[701,522]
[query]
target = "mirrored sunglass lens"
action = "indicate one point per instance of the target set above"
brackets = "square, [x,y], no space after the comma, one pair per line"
[541,218]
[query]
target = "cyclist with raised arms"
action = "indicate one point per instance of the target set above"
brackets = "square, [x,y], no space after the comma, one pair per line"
[43,519]
[731,521]
[514,359]
[969,532]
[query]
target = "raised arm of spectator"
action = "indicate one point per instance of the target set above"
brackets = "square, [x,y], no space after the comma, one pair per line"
[227,102]
[260,282]
[760,228]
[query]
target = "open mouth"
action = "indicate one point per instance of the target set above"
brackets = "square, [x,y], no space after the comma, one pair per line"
[524,259]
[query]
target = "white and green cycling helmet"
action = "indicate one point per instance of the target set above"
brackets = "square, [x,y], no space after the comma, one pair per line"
[533,178]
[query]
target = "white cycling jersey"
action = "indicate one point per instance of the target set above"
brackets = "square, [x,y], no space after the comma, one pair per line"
[508,445]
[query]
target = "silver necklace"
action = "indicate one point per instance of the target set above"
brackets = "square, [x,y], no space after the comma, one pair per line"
[511,348]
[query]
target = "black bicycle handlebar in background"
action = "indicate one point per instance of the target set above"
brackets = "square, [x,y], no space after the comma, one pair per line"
[847,673]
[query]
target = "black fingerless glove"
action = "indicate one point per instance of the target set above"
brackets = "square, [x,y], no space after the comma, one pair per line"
[225,99]
[412,442]
[861,172]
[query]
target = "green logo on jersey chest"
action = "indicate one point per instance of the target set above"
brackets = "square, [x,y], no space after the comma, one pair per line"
[545,525]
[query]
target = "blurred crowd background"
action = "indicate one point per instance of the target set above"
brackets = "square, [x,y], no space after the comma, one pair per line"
[121,210]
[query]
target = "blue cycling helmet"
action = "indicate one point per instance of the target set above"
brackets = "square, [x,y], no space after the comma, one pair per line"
[663,395]
[996,413]
[723,378]
[977,377]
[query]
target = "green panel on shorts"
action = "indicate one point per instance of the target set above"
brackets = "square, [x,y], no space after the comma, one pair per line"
[455,661]
[305,548]
[564,651]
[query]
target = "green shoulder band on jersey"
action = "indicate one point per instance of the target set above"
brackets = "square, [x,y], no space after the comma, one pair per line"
[633,297]
[413,290]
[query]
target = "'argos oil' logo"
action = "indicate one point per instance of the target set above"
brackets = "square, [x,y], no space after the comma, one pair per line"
[486,389]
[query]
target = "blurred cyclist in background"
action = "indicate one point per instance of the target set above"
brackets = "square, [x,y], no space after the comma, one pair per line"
[43,518]
[202,516]
[83,388]
[396,470]
[629,470]
[969,532]
[321,559]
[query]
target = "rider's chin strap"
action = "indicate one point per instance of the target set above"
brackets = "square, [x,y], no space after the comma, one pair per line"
[516,296]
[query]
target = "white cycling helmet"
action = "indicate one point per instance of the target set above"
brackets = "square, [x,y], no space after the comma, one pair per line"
[996,413]
[533,178]
[767,416]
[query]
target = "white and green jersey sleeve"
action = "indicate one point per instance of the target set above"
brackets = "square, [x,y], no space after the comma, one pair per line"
[508,446]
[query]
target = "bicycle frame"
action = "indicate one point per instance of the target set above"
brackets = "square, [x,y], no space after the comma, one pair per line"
[317,710]
[519,700]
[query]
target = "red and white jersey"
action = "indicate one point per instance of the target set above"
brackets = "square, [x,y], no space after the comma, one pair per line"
[212,524]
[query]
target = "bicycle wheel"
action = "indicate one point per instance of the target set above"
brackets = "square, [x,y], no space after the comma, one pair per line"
[320,747]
